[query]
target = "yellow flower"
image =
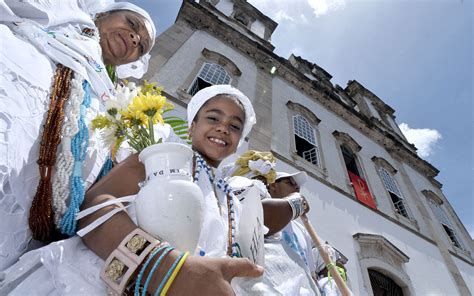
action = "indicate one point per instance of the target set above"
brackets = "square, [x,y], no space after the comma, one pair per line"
[100,122]
[152,106]
[133,118]
[150,88]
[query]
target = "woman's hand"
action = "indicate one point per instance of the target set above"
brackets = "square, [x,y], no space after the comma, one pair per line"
[212,276]
[305,205]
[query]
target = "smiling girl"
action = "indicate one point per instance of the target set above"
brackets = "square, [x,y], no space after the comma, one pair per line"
[219,119]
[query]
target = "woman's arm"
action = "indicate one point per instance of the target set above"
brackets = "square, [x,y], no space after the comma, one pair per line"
[277,213]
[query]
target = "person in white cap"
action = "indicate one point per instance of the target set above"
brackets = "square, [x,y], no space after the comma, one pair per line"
[287,203]
[288,258]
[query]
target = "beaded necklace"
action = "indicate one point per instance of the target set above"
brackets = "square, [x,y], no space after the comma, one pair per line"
[221,184]
[79,146]
[40,220]
[49,202]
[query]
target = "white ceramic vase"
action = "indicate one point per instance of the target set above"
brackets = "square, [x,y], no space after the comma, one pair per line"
[169,205]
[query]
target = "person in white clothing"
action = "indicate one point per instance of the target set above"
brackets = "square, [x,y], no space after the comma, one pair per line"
[54,81]
[288,258]
[326,282]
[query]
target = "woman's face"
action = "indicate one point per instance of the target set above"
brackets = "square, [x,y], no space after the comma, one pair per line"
[217,128]
[124,37]
[283,187]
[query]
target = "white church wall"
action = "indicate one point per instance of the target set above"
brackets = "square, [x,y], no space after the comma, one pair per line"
[337,218]
[467,272]
[336,172]
[176,71]
[421,183]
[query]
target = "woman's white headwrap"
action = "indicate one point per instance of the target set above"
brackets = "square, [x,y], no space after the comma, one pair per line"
[138,68]
[205,94]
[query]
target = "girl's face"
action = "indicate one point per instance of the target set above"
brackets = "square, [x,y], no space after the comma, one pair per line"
[217,128]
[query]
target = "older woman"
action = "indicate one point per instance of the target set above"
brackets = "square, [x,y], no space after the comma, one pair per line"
[53,80]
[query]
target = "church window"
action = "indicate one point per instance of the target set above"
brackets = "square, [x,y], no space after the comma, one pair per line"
[383,285]
[305,140]
[394,192]
[445,223]
[209,74]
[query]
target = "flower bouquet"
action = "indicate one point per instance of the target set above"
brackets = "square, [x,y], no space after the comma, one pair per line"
[169,204]
[135,116]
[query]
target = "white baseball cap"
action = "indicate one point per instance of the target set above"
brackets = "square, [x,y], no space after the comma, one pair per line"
[299,177]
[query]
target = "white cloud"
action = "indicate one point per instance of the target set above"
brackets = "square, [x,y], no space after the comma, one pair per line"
[303,18]
[282,15]
[424,139]
[321,7]
[284,11]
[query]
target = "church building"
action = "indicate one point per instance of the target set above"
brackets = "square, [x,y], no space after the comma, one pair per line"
[371,196]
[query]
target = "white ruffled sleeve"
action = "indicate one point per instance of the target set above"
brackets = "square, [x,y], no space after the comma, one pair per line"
[47,13]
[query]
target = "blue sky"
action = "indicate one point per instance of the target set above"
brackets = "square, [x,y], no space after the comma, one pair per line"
[416,55]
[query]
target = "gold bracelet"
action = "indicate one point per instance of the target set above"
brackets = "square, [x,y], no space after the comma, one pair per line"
[122,264]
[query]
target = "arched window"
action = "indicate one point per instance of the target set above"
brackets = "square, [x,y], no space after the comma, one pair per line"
[209,74]
[395,194]
[350,160]
[382,285]
[445,223]
[305,140]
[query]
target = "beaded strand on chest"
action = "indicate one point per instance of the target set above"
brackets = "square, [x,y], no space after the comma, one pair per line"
[222,185]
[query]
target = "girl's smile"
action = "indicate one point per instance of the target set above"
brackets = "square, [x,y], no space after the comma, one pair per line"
[217,128]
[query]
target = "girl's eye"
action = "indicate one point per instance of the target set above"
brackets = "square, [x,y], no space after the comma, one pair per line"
[142,48]
[236,127]
[212,119]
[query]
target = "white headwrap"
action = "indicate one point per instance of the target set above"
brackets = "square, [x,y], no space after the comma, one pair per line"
[205,94]
[134,69]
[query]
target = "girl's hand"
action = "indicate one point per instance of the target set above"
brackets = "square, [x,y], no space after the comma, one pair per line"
[212,276]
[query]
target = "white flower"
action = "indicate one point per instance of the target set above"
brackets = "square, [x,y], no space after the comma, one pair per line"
[125,94]
[107,136]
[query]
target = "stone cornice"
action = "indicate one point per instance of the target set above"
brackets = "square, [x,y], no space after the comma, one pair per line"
[256,14]
[431,195]
[222,60]
[390,252]
[381,162]
[200,18]
[347,139]
[204,5]
[298,108]
[354,87]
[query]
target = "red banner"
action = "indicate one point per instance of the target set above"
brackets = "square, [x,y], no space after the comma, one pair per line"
[362,190]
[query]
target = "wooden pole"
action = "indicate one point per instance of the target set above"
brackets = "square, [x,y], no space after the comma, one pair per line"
[327,260]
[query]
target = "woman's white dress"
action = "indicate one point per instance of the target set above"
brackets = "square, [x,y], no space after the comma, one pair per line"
[26,76]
